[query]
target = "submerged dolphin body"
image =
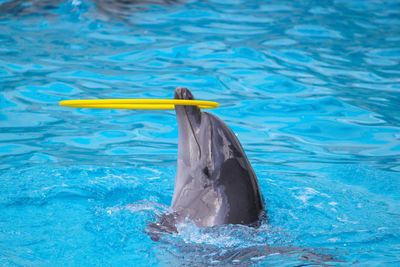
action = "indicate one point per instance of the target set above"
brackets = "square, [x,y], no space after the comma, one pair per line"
[215,183]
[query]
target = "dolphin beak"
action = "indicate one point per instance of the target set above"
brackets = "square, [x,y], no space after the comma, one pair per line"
[192,113]
[183,93]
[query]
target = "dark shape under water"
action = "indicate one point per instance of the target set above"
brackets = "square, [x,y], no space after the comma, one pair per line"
[120,9]
[215,183]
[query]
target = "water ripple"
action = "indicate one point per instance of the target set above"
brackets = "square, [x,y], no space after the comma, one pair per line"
[310,88]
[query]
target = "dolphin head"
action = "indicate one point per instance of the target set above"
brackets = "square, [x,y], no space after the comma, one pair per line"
[212,170]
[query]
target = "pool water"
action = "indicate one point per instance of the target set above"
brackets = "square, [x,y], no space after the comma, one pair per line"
[311,88]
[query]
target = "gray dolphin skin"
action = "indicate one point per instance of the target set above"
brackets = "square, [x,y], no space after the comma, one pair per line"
[215,183]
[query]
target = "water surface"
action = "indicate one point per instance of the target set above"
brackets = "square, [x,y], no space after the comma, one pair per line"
[311,88]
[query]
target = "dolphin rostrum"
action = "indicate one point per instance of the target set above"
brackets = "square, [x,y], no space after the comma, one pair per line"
[215,183]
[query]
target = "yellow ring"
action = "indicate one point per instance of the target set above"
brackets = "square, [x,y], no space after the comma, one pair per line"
[146,104]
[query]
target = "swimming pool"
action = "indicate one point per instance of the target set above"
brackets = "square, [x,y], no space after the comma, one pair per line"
[311,88]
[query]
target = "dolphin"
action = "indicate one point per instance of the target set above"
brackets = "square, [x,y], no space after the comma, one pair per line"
[215,183]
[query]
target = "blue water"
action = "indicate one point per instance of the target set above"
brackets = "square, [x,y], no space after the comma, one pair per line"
[311,88]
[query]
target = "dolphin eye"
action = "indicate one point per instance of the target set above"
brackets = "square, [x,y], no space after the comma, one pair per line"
[206,171]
